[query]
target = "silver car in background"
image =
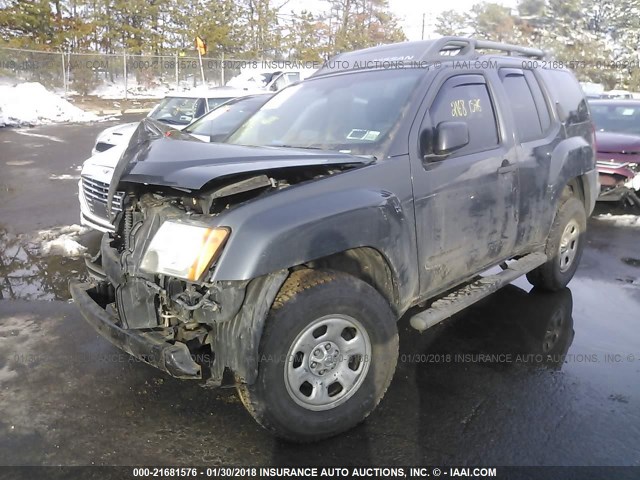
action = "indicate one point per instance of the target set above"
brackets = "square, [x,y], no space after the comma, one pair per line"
[176,110]
[97,171]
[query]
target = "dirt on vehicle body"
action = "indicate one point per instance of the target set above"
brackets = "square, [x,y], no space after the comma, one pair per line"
[282,259]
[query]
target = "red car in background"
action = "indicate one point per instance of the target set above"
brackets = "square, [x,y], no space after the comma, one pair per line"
[617,124]
[618,157]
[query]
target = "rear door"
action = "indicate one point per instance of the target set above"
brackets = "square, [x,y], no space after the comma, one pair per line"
[533,127]
[465,204]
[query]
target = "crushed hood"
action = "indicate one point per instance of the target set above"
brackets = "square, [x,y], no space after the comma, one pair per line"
[157,156]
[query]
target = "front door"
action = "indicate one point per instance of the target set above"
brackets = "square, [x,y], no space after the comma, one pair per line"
[466,203]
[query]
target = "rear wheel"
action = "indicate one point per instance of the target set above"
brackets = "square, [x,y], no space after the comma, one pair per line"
[327,356]
[564,247]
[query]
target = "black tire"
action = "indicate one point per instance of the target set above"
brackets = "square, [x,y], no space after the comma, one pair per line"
[553,275]
[307,297]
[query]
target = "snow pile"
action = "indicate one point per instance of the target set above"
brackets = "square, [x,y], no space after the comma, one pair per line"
[115,91]
[32,104]
[61,241]
[620,220]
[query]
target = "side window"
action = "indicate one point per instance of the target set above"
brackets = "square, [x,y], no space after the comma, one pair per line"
[523,106]
[568,95]
[216,102]
[283,80]
[538,97]
[293,77]
[458,101]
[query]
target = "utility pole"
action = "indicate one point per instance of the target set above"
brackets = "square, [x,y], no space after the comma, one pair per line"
[64,74]
[204,82]
[423,15]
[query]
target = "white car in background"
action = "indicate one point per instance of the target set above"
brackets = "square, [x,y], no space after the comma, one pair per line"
[93,188]
[97,171]
[176,110]
[270,80]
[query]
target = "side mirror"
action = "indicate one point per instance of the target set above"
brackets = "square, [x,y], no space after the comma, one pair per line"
[450,136]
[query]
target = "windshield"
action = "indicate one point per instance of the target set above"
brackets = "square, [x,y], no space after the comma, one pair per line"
[227,117]
[618,118]
[352,112]
[175,111]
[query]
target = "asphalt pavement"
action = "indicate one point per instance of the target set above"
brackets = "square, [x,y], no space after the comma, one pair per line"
[521,378]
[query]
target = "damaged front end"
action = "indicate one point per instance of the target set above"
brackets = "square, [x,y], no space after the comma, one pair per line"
[618,157]
[187,326]
[618,182]
[154,294]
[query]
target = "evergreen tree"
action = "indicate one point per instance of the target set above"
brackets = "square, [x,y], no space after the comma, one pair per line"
[29,23]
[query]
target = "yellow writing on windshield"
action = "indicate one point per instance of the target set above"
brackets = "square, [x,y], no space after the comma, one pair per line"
[461,108]
[474,105]
[458,108]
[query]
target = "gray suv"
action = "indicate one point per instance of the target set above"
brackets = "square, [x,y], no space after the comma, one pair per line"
[395,177]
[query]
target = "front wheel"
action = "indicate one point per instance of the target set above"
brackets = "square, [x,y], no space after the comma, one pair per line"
[327,356]
[564,247]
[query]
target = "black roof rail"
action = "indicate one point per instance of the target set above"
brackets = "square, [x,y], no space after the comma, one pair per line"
[511,49]
[441,49]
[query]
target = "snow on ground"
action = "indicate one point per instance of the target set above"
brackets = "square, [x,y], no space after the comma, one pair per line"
[64,177]
[28,133]
[32,104]
[620,220]
[115,91]
[60,241]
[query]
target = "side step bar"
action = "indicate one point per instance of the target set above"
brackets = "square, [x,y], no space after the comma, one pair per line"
[460,299]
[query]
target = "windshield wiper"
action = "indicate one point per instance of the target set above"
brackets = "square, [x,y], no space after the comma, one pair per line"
[303,147]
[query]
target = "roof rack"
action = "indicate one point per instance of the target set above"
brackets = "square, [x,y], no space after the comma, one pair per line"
[470,46]
[441,49]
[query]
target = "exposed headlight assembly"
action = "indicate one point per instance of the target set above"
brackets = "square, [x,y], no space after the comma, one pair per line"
[184,251]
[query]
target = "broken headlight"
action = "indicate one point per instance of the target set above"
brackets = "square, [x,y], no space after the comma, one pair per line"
[184,251]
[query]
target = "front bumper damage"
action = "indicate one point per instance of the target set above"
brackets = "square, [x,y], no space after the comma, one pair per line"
[148,346]
[190,331]
[234,343]
[618,182]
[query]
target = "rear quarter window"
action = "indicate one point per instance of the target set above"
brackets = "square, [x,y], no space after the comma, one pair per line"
[567,94]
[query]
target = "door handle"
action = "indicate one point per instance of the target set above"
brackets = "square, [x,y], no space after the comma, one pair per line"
[506,167]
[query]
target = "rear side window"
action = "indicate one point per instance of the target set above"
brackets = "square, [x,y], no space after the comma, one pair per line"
[531,117]
[568,95]
[458,101]
[541,104]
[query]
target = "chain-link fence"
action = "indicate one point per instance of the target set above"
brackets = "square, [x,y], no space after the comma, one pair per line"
[117,75]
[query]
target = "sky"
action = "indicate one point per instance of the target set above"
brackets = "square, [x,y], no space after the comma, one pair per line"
[409,11]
